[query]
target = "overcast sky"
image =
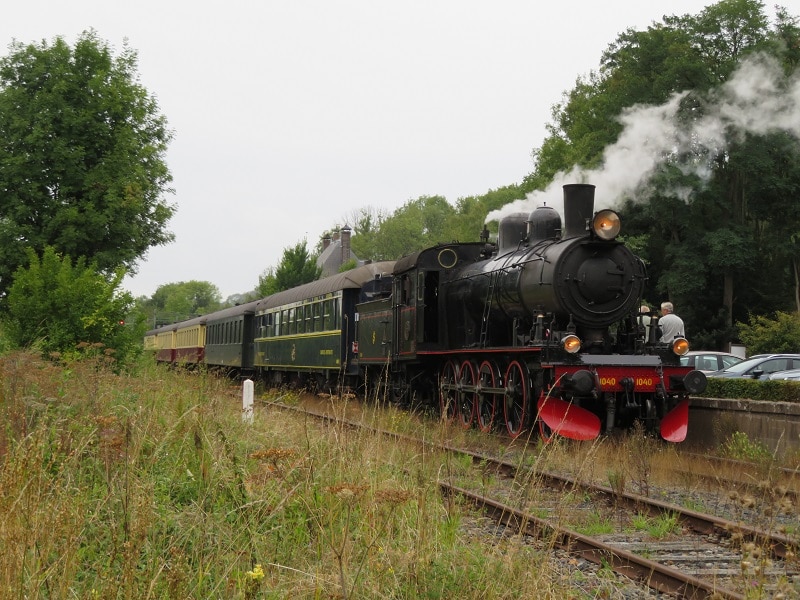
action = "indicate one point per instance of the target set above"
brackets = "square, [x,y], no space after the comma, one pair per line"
[290,116]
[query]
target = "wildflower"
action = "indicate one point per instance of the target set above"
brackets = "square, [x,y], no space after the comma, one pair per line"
[257,574]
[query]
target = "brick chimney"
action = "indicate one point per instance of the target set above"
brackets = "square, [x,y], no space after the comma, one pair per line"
[345,244]
[326,241]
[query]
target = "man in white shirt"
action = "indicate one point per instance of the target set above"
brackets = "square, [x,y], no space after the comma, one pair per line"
[670,323]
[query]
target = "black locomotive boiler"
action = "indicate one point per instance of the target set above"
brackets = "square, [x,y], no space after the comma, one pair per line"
[536,330]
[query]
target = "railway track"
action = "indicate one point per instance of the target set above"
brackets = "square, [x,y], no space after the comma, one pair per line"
[708,557]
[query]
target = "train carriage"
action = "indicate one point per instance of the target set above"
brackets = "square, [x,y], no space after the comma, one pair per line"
[306,335]
[161,341]
[190,341]
[230,338]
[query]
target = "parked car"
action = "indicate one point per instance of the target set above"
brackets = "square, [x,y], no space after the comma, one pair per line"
[760,366]
[709,361]
[791,375]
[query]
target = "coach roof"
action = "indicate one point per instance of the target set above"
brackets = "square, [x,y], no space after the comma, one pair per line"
[352,279]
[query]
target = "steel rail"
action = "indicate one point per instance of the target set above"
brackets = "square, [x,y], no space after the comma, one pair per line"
[655,575]
[775,544]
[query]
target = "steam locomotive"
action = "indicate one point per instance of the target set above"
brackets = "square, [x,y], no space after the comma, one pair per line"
[536,330]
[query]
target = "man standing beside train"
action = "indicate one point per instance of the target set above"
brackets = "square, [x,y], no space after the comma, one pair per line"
[670,323]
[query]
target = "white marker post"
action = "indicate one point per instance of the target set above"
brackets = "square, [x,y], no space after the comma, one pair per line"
[247,401]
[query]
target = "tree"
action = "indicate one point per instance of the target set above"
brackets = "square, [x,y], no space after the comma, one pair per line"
[416,225]
[366,223]
[729,244]
[297,267]
[82,156]
[56,305]
[182,300]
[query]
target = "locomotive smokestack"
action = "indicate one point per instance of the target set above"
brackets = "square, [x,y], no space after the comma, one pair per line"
[578,208]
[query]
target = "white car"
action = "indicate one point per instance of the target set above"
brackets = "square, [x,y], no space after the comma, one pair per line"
[709,361]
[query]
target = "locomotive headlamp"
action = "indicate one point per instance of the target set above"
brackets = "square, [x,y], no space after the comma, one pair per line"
[680,346]
[606,225]
[571,343]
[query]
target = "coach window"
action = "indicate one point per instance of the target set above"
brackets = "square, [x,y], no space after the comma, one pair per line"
[327,307]
[315,316]
[301,319]
[402,284]
[309,314]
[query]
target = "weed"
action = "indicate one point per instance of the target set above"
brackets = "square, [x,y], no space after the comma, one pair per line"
[656,527]
[740,447]
[596,524]
[617,481]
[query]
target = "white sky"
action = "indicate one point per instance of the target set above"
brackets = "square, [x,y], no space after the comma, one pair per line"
[289,116]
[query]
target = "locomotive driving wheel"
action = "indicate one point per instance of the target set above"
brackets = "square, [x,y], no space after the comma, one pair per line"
[515,401]
[467,379]
[488,380]
[447,390]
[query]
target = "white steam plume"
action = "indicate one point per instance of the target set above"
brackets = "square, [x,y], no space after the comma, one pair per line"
[754,100]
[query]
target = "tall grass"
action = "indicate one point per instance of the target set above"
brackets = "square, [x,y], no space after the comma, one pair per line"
[148,484]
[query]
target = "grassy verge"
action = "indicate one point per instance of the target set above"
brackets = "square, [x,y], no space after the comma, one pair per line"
[148,484]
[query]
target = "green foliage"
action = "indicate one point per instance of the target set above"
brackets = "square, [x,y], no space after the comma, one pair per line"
[55,305]
[718,245]
[740,447]
[762,335]
[296,268]
[82,164]
[365,232]
[179,301]
[595,524]
[657,527]
[754,389]
[417,224]
[348,265]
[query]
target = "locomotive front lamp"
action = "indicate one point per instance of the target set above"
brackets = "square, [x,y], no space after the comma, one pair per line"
[606,225]
[680,346]
[571,343]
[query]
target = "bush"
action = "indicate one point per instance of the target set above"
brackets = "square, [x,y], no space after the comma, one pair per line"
[54,306]
[753,389]
[763,335]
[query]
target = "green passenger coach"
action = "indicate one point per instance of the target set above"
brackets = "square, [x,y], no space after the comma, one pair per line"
[307,334]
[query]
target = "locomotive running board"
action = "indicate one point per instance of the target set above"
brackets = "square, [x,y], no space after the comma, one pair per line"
[568,420]
[675,423]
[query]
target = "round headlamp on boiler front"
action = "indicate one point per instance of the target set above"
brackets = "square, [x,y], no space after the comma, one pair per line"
[680,346]
[571,343]
[606,225]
